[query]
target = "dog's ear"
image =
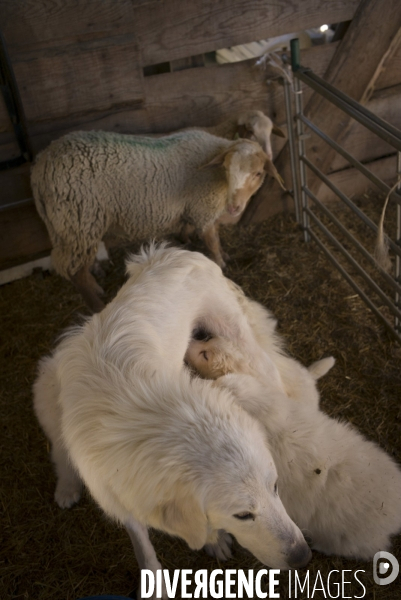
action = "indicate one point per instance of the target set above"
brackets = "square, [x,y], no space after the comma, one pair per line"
[185,519]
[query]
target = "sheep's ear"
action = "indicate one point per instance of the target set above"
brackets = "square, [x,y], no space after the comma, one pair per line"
[278,131]
[217,161]
[272,171]
[186,520]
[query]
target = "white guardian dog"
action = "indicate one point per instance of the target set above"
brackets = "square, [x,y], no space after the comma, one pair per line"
[343,491]
[155,446]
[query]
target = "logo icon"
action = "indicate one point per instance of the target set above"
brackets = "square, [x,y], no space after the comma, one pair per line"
[385,568]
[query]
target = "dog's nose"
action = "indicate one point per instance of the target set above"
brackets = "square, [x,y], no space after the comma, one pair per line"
[299,556]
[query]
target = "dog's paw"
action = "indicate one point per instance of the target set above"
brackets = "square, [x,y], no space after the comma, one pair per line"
[67,494]
[221,550]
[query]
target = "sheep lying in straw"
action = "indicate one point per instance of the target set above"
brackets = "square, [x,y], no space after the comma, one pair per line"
[343,491]
[88,184]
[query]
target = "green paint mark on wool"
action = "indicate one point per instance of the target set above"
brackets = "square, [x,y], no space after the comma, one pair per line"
[154,143]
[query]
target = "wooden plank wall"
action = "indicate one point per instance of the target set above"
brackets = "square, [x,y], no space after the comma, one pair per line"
[79,65]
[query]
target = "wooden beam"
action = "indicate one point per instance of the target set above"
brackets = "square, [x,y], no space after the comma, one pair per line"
[190,28]
[77,79]
[352,183]
[14,184]
[22,233]
[354,69]
[167,29]
[362,143]
[391,73]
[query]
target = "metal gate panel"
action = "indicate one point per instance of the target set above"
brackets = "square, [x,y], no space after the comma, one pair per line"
[316,218]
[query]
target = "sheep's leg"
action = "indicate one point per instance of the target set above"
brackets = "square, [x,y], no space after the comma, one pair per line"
[144,552]
[212,241]
[97,269]
[186,233]
[101,255]
[89,289]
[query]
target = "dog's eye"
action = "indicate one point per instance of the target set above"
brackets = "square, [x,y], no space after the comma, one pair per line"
[204,354]
[244,516]
[276,488]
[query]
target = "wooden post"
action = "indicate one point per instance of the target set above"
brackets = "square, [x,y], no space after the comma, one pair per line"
[370,40]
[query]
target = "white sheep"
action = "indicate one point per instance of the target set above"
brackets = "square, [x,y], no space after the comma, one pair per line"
[252,125]
[88,184]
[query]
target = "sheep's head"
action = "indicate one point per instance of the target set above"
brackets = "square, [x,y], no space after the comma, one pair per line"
[246,166]
[254,125]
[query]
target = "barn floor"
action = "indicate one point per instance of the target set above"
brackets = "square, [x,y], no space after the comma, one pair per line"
[51,554]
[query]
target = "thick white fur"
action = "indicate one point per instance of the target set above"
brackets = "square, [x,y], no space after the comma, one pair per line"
[340,489]
[154,446]
[298,382]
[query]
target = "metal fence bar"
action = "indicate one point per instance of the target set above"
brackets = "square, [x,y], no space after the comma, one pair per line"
[386,132]
[389,280]
[301,149]
[355,286]
[348,202]
[356,106]
[383,187]
[355,264]
[383,129]
[333,94]
[293,149]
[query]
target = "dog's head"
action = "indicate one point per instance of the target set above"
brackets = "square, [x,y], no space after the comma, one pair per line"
[246,503]
[231,484]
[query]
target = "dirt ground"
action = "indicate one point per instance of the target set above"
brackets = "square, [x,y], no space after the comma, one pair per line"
[51,554]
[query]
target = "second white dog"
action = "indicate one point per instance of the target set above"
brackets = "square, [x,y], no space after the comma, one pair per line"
[340,489]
